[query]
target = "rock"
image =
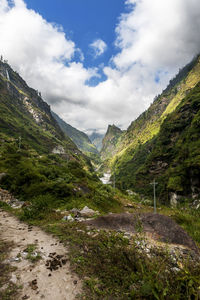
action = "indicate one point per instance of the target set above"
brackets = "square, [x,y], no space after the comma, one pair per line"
[58,150]
[173,199]
[175,269]
[75,212]
[129,192]
[129,205]
[196,204]
[86,212]
[68,218]
[33,284]
[25,297]
[13,279]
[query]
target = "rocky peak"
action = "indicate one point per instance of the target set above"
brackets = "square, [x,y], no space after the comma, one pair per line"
[110,141]
[112,129]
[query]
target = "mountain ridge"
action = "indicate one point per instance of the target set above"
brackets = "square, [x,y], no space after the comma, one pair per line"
[136,144]
[80,138]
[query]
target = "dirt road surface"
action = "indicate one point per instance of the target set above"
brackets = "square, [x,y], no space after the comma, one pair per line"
[48,278]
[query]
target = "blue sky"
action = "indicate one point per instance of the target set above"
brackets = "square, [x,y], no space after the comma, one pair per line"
[99,62]
[84,21]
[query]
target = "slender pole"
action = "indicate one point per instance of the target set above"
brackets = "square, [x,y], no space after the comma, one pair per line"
[154,195]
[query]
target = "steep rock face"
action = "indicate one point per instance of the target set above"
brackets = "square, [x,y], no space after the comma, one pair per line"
[81,139]
[170,152]
[24,114]
[110,140]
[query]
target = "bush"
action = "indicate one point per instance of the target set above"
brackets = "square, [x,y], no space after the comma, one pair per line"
[41,205]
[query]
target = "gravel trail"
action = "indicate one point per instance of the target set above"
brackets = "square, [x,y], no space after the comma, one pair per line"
[48,278]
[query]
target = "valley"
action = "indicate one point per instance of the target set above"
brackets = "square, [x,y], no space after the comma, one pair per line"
[92,205]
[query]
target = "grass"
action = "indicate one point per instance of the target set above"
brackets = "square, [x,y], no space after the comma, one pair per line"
[113,267]
[8,290]
[32,255]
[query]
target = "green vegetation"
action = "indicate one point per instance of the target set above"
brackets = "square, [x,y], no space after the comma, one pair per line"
[163,143]
[32,255]
[189,219]
[110,140]
[165,147]
[114,267]
[8,290]
[48,181]
[43,166]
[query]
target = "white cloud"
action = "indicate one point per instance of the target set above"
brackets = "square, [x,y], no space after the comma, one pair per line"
[159,33]
[99,47]
[154,37]
[41,53]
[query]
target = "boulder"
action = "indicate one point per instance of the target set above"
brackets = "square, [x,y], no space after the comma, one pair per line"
[75,212]
[173,200]
[68,218]
[87,212]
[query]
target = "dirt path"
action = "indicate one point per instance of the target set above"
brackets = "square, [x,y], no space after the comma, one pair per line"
[49,278]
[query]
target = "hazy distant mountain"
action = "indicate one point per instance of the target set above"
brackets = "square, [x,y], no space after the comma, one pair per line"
[81,139]
[96,138]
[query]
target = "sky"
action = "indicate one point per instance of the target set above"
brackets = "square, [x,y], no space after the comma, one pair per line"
[99,62]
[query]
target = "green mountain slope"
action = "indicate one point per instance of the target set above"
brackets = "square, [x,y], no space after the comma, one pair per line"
[41,164]
[163,142]
[81,139]
[148,124]
[109,141]
[24,114]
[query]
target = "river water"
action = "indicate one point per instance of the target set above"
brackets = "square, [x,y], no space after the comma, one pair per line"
[106,178]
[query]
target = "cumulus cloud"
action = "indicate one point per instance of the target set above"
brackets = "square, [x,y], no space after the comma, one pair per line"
[154,38]
[41,53]
[99,47]
[158,33]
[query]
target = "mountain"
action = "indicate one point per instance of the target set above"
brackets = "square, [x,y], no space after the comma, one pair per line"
[110,140]
[26,116]
[81,139]
[174,154]
[140,150]
[96,138]
[38,162]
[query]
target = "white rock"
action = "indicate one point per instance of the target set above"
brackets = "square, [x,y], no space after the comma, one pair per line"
[87,212]
[68,218]
[173,199]
[175,269]
[13,279]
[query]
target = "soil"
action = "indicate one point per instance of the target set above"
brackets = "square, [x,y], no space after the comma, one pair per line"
[48,278]
[159,227]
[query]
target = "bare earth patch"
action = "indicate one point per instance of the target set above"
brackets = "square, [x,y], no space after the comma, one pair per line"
[159,227]
[43,268]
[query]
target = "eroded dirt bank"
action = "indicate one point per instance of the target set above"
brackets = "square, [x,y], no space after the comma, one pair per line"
[50,276]
[159,227]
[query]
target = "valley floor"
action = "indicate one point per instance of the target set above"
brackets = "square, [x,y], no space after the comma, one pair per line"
[41,266]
